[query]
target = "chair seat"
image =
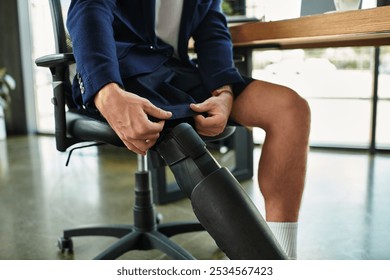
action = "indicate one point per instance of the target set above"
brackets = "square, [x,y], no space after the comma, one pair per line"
[85,127]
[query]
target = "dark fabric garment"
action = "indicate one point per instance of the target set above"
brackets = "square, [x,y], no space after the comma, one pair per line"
[173,87]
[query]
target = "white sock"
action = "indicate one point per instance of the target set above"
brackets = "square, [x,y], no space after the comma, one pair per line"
[286,234]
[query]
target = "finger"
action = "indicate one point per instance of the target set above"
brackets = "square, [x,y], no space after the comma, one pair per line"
[134,148]
[149,142]
[133,144]
[142,145]
[145,142]
[203,121]
[149,131]
[200,126]
[153,128]
[157,113]
[209,126]
[199,119]
[151,137]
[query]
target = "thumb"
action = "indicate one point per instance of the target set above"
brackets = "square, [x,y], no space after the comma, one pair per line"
[199,107]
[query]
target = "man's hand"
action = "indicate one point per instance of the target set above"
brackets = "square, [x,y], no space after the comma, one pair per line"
[127,114]
[217,108]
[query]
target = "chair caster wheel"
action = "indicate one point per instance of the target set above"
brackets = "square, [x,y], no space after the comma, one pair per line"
[65,243]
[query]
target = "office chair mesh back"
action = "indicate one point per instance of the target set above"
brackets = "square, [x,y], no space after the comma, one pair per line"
[63,42]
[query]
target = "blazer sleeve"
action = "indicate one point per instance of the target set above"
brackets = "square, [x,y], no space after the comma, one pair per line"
[214,49]
[90,26]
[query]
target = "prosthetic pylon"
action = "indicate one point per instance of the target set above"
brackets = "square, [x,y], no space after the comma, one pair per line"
[218,200]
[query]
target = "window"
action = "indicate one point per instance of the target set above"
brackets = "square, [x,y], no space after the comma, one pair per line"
[338,84]
[383,128]
[42,44]
[234,7]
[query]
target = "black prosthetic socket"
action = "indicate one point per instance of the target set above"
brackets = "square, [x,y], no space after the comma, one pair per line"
[219,202]
[185,153]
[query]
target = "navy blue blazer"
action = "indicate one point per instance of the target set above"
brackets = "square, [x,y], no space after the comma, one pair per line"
[115,39]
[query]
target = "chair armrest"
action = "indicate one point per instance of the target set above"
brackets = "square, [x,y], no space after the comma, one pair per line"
[58,64]
[54,60]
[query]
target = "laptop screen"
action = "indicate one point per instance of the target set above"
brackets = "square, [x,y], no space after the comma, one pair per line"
[310,7]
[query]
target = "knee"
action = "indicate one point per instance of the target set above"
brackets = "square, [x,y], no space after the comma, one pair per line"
[294,113]
[298,110]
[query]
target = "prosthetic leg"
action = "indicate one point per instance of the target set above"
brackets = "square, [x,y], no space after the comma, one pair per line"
[218,200]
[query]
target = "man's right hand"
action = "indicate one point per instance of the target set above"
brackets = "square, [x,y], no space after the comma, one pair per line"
[127,114]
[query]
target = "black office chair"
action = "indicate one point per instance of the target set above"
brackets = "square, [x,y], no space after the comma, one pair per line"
[73,126]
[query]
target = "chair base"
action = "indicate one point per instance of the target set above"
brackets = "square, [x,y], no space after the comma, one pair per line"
[132,238]
[145,234]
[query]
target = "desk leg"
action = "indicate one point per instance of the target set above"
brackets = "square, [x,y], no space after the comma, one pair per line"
[374,114]
[243,60]
[242,143]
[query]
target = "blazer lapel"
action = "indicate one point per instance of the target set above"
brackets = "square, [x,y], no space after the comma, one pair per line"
[149,13]
[186,25]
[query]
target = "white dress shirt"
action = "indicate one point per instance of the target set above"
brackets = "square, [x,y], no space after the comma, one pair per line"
[168,17]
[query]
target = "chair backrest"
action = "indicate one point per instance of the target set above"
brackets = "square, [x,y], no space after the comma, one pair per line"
[59,10]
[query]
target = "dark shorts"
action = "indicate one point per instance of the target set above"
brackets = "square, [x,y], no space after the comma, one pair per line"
[173,87]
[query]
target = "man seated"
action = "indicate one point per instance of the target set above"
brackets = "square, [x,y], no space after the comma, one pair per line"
[134,69]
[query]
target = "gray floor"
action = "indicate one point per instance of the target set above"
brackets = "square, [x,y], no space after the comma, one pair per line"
[344,212]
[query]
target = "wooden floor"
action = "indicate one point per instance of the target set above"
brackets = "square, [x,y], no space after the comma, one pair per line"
[344,214]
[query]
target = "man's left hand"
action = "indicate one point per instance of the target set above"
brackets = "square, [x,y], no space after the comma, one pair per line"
[217,109]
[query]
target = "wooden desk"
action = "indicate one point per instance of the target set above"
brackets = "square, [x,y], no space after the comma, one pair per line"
[369,27]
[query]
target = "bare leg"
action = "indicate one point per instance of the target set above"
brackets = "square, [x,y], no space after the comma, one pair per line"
[285,117]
